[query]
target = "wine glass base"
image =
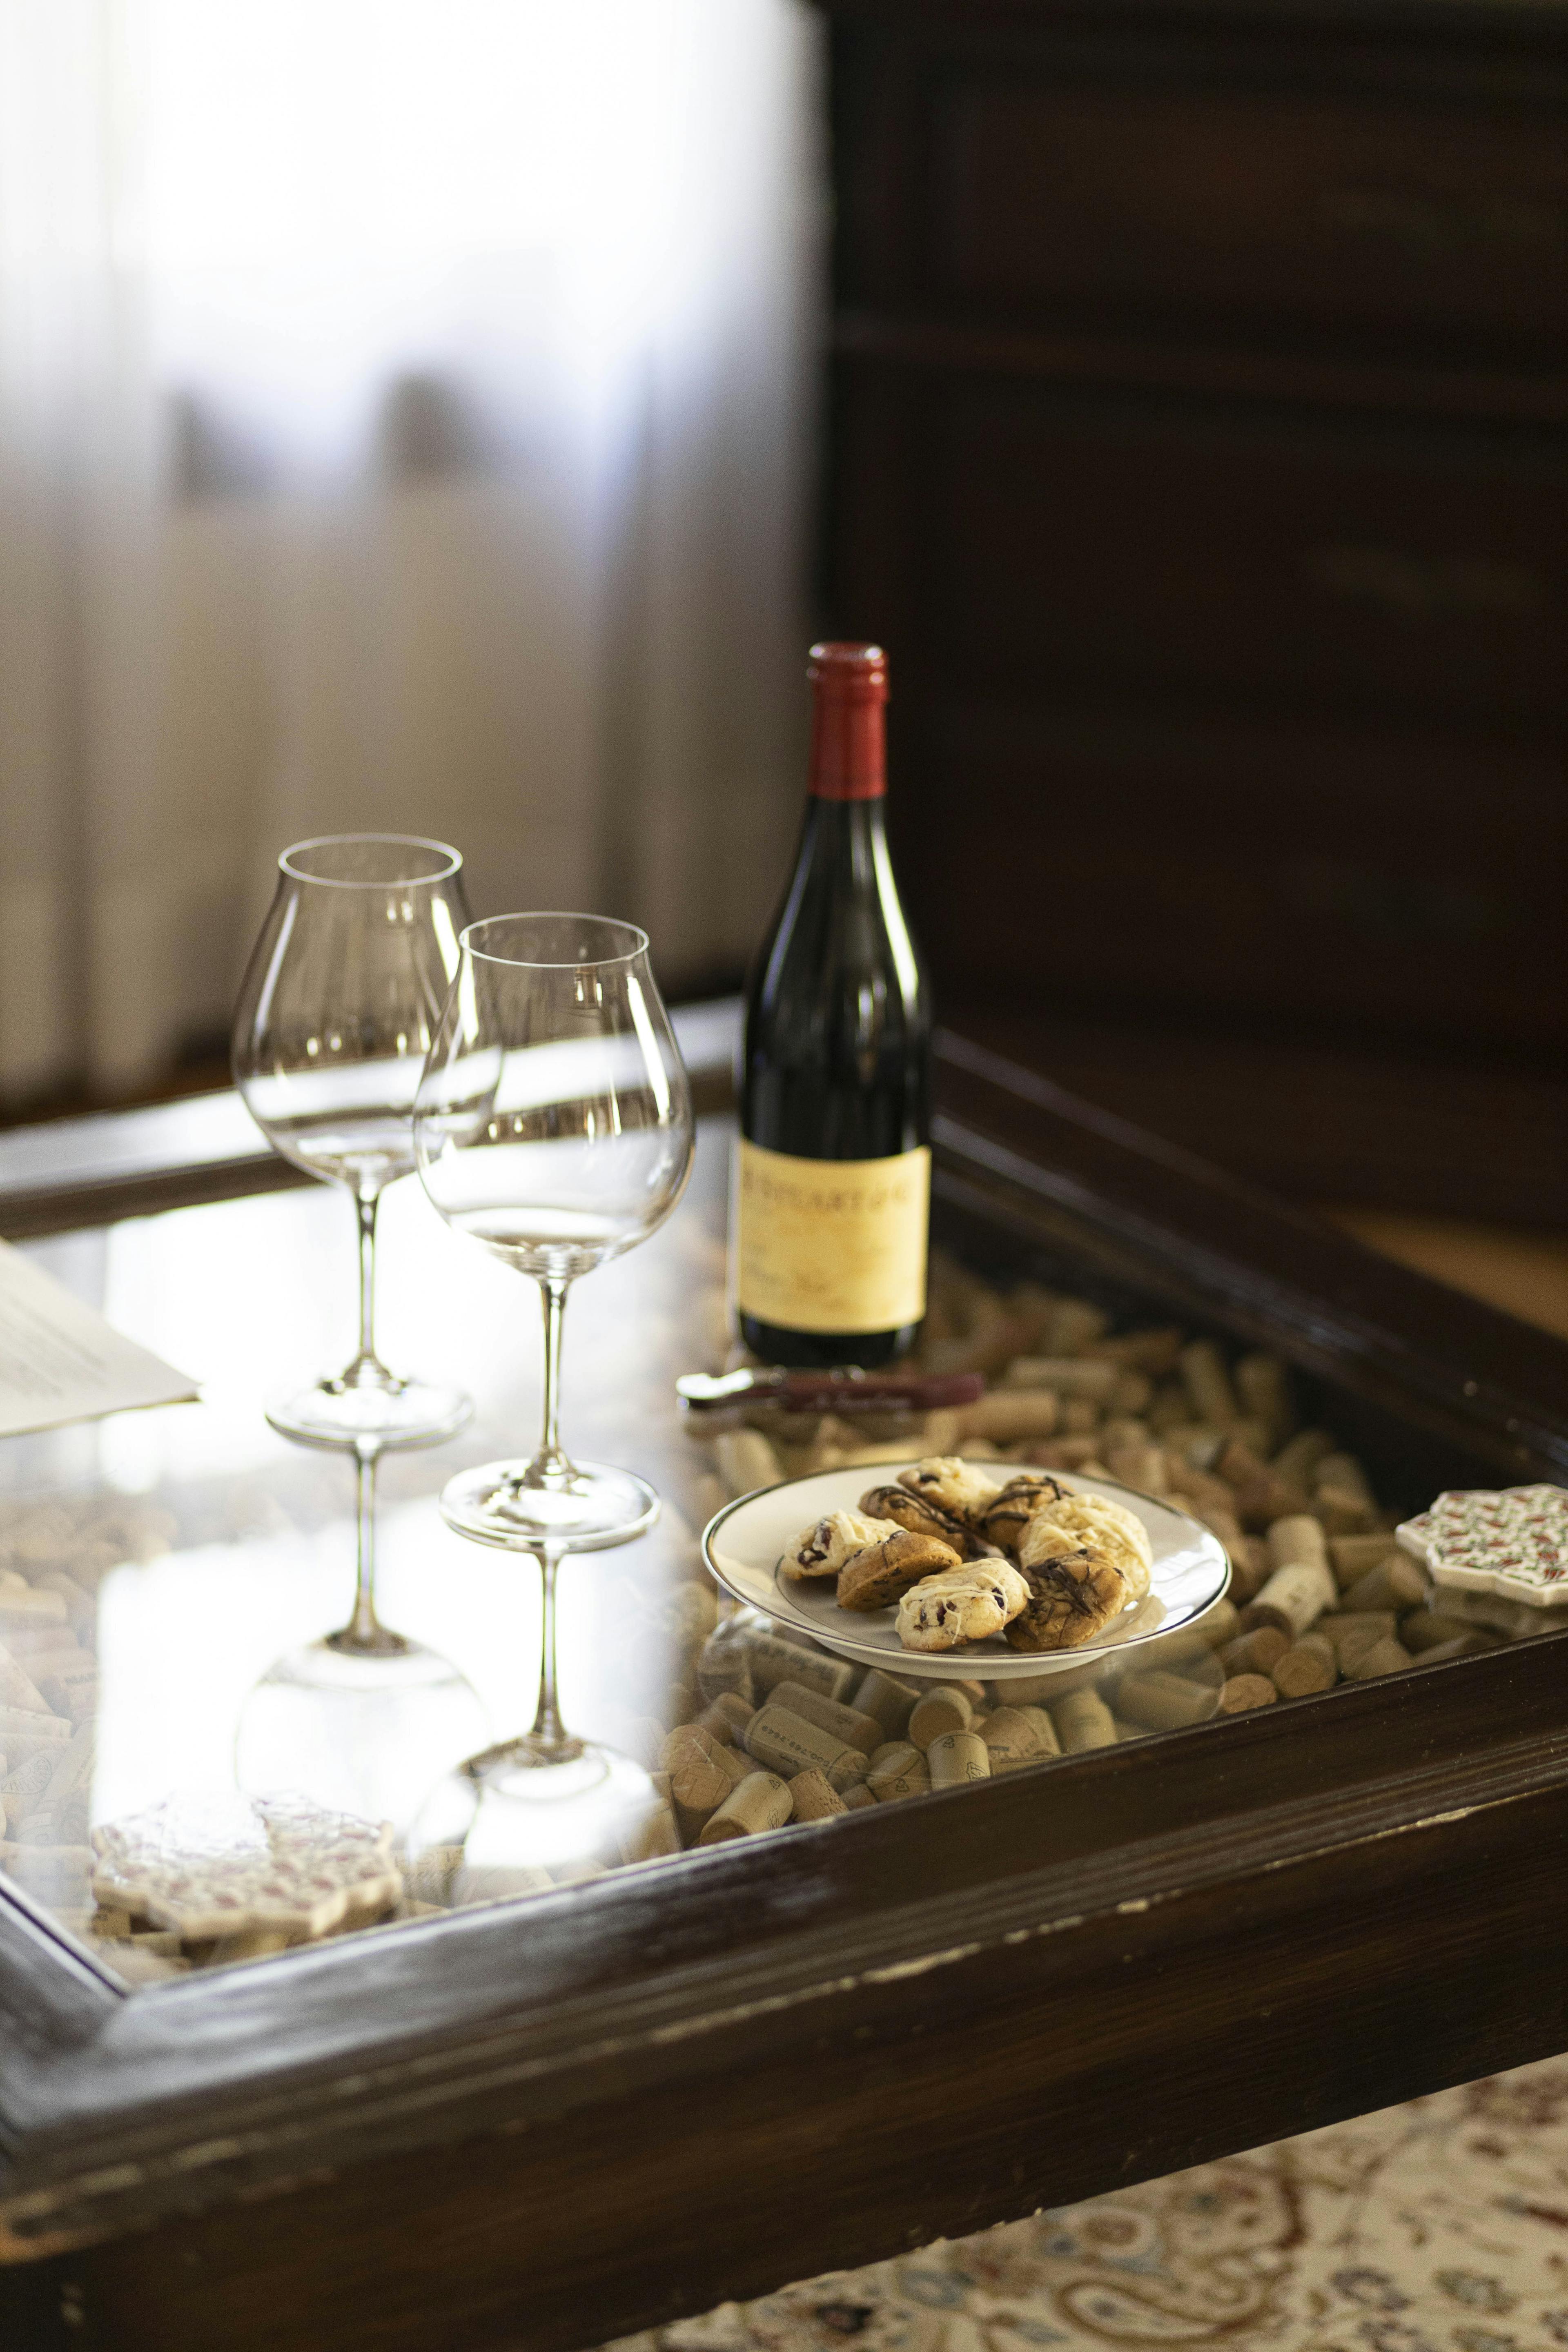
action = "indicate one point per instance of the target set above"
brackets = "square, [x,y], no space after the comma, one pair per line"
[342,1413]
[498,1821]
[600,1507]
[368,1732]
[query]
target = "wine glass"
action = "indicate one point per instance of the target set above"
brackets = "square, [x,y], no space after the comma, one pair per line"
[554,1124]
[336,1014]
[364,1719]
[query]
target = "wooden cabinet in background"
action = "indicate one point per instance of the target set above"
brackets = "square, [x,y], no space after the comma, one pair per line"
[1197,446]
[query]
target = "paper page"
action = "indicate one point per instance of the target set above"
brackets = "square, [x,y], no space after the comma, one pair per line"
[60,1361]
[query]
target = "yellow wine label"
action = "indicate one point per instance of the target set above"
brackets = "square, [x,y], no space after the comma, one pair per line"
[831,1244]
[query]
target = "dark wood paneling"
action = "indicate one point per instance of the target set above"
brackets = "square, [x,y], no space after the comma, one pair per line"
[1325,211]
[1246,556]
[1206,862]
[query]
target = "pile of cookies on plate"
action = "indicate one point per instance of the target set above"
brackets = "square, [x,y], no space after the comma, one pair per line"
[962,1555]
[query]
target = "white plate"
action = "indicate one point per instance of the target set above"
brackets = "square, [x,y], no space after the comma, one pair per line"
[743,1543]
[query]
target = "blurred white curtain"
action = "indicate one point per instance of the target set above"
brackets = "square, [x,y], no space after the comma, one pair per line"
[402,419]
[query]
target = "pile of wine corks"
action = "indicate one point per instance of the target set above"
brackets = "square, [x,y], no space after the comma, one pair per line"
[53,1557]
[1320,1593]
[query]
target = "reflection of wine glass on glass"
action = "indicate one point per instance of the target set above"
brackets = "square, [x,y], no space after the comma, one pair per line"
[555,1125]
[363,1719]
[335,1015]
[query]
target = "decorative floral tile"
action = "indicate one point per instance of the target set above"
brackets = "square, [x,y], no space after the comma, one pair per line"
[1439,2226]
[1514,1542]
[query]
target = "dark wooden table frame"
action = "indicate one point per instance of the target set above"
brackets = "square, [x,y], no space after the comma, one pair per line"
[542,2125]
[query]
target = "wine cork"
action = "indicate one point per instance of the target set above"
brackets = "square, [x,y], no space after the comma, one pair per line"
[724,1718]
[886,1698]
[1309,1665]
[787,1743]
[1294,1597]
[722,1666]
[1165,1702]
[1064,1376]
[847,1723]
[1014,1737]
[72,1691]
[26,1613]
[1431,1629]
[1353,1555]
[17,1689]
[1263,1386]
[656,1832]
[1197,1491]
[1153,1350]
[897,1769]
[1073,1326]
[746,1461]
[1181,1652]
[1385,1657]
[1299,1458]
[1220,1623]
[1297,1540]
[1351,1635]
[761,1802]
[815,1800]
[1083,1721]
[699,1783]
[1344,1474]
[1257,1653]
[956,1758]
[1262,1496]
[1079,1416]
[1006,1415]
[1399,1584]
[23,1733]
[1139,1465]
[81,1606]
[1207,1384]
[1341,1514]
[1244,1692]
[1045,1690]
[940,1711]
[773,1660]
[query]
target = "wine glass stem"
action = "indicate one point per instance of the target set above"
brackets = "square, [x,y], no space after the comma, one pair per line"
[551,1466]
[365,1207]
[364,1631]
[548,1730]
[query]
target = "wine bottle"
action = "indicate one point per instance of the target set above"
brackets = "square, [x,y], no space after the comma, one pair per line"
[833,1177]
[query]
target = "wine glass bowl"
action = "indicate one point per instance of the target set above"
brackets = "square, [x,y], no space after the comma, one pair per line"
[335,1016]
[554,1126]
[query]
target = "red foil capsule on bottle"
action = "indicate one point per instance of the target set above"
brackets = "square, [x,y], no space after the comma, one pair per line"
[848,747]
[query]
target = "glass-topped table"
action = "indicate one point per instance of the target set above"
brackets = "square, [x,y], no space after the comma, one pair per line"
[1038,1970]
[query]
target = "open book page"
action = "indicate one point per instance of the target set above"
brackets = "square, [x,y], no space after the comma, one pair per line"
[60,1361]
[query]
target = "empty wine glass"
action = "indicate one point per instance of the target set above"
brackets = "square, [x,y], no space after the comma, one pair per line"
[364,1719]
[336,1014]
[554,1124]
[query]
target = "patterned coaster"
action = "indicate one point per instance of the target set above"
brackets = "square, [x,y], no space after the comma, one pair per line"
[1514,1542]
[233,1866]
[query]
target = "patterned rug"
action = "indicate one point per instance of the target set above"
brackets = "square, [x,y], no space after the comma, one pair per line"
[1439,2226]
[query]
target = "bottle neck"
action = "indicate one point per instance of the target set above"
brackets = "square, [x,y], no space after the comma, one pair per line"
[848,746]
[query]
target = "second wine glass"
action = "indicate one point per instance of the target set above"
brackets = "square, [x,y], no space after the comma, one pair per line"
[336,1013]
[554,1124]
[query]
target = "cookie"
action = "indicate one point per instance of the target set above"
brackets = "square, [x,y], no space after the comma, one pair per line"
[962,1604]
[1094,1519]
[822,1549]
[1075,1591]
[875,1576]
[924,1516]
[961,1487]
[1016,1506]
